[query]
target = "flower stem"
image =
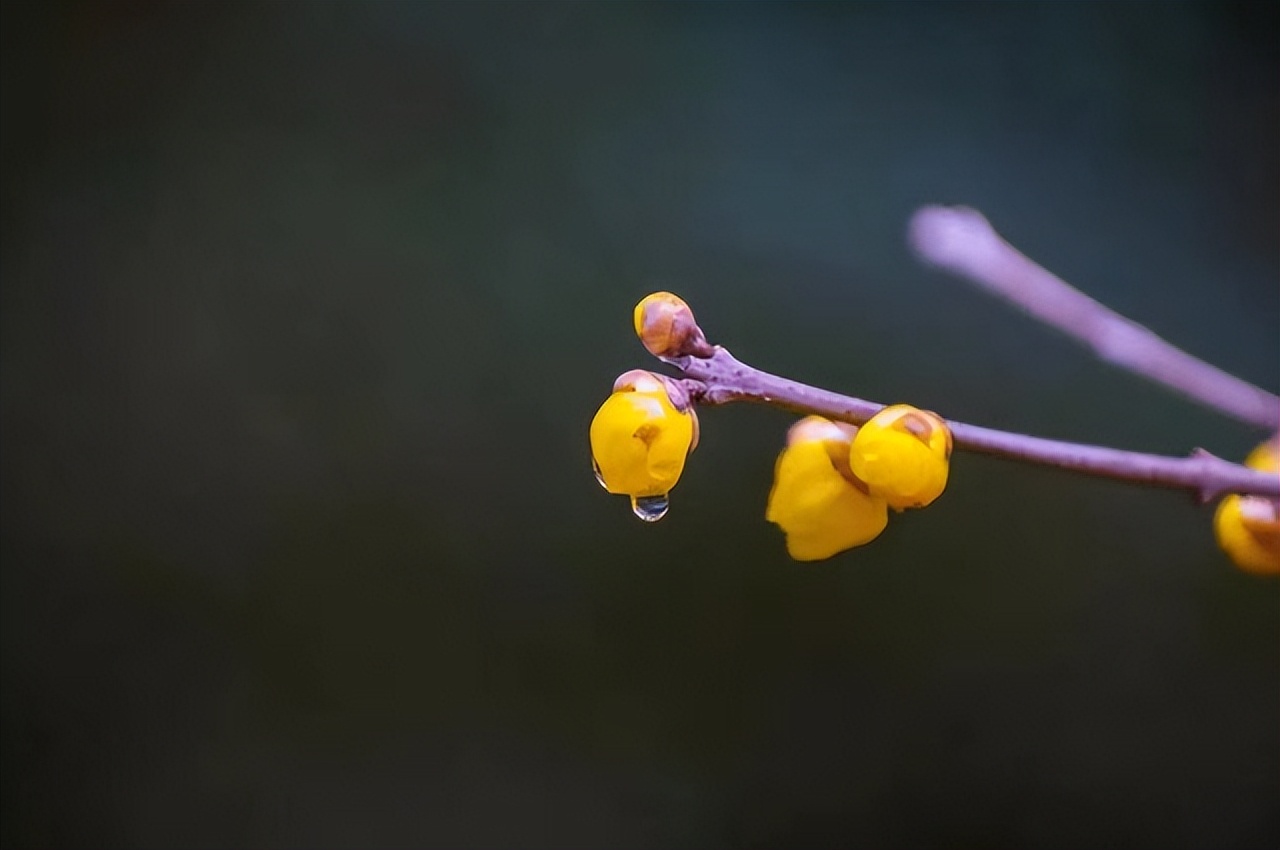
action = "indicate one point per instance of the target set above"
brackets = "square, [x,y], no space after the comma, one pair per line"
[962,241]
[722,378]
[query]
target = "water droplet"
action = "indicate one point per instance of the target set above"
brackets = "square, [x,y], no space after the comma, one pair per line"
[595,467]
[650,508]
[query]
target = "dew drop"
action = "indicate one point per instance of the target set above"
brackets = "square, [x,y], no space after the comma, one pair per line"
[650,508]
[595,467]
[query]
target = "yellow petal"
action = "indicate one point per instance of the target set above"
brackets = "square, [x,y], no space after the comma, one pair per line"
[820,510]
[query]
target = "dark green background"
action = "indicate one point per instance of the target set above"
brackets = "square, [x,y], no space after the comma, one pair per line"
[306,309]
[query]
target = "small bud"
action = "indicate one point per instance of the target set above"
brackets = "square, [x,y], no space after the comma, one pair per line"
[815,500]
[903,454]
[666,327]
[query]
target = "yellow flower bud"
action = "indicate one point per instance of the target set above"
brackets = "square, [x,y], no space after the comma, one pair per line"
[1248,527]
[666,327]
[815,499]
[1265,457]
[903,454]
[639,438]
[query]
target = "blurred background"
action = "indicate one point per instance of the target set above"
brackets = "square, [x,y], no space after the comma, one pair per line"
[306,308]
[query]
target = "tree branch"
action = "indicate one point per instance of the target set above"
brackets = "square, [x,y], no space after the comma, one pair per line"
[961,241]
[721,378]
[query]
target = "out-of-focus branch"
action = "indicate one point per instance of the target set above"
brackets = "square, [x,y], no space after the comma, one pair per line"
[962,241]
[720,378]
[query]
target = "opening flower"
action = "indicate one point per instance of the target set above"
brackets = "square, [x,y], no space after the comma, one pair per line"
[815,499]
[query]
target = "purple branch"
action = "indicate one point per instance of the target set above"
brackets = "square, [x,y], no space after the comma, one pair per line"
[722,378]
[961,241]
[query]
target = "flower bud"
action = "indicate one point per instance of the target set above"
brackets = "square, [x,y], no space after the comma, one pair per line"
[639,439]
[815,499]
[1248,527]
[1249,532]
[903,454]
[666,327]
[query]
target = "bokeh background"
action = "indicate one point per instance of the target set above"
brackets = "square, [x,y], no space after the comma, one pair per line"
[306,308]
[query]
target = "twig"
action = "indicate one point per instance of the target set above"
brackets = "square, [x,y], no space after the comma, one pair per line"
[964,243]
[721,378]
